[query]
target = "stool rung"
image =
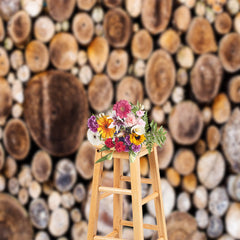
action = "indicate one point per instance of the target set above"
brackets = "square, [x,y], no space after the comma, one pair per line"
[112,234]
[149,198]
[104,195]
[106,238]
[146,226]
[115,190]
[143,180]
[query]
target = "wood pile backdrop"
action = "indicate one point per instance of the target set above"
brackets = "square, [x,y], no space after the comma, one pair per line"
[62,60]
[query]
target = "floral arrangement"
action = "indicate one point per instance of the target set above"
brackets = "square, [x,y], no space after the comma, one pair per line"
[124,129]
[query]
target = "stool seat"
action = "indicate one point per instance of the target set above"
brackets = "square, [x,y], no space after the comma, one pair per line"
[99,192]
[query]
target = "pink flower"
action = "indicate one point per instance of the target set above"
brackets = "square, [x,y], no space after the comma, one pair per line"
[131,120]
[141,122]
[140,113]
[122,108]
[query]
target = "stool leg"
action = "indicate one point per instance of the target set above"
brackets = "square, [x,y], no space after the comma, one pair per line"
[155,175]
[94,207]
[117,198]
[136,199]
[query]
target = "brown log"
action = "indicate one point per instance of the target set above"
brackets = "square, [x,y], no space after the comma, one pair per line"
[16,132]
[41,166]
[170,41]
[5,100]
[76,215]
[2,183]
[218,201]
[84,161]
[37,56]
[221,108]
[173,177]
[65,175]
[48,187]
[206,77]
[130,89]
[202,218]
[10,167]
[9,8]
[229,52]
[13,186]
[180,225]
[98,52]
[214,162]
[186,112]
[44,29]
[15,222]
[232,220]
[100,92]
[200,197]
[117,64]
[182,76]
[16,59]
[223,23]
[86,4]
[234,89]
[59,222]
[61,94]
[197,235]
[213,137]
[200,36]
[142,44]
[79,192]
[156,15]
[63,51]
[159,77]
[184,161]
[236,23]
[4,62]
[183,202]
[2,30]
[23,196]
[207,114]
[34,189]
[39,213]
[62,10]
[231,140]
[19,28]
[165,153]
[79,230]
[117,27]
[2,157]
[182,18]
[83,28]
[215,227]
[189,182]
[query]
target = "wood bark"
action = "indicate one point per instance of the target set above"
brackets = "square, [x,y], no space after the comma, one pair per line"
[130,89]
[200,36]
[156,15]
[100,92]
[61,11]
[229,52]
[206,77]
[63,51]
[62,95]
[117,27]
[159,77]
[182,133]
[12,225]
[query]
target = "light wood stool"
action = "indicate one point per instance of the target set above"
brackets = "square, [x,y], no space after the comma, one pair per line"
[99,192]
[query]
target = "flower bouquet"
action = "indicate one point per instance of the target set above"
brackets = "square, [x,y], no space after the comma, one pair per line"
[124,129]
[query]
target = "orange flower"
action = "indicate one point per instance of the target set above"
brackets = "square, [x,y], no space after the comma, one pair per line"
[104,129]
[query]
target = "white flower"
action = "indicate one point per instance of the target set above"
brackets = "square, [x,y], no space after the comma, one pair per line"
[138,129]
[94,138]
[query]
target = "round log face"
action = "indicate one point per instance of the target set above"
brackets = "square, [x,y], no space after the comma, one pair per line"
[13,220]
[56,112]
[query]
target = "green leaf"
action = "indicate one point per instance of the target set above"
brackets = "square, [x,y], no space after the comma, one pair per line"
[104,148]
[132,156]
[106,157]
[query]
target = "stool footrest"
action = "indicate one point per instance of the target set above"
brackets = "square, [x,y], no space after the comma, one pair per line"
[143,180]
[104,195]
[146,226]
[106,238]
[149,198]
[115,190]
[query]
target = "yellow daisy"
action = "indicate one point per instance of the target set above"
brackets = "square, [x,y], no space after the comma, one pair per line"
[137,139]
[104,129]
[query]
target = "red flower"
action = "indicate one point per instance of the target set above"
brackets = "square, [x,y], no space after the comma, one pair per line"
[120,147]
[109,143]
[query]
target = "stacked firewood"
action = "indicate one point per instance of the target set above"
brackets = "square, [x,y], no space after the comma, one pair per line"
[62,60]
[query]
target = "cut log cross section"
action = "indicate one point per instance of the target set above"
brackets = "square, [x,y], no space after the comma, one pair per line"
[99,192]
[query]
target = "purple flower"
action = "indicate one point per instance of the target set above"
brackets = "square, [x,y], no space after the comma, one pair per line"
[127,140]
[136,148]
[126,149]
[92,123]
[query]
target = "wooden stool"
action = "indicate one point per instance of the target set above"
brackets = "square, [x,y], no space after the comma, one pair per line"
[99,192]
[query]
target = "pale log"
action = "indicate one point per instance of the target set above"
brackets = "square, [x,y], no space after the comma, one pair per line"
[182,18]
[213,137]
